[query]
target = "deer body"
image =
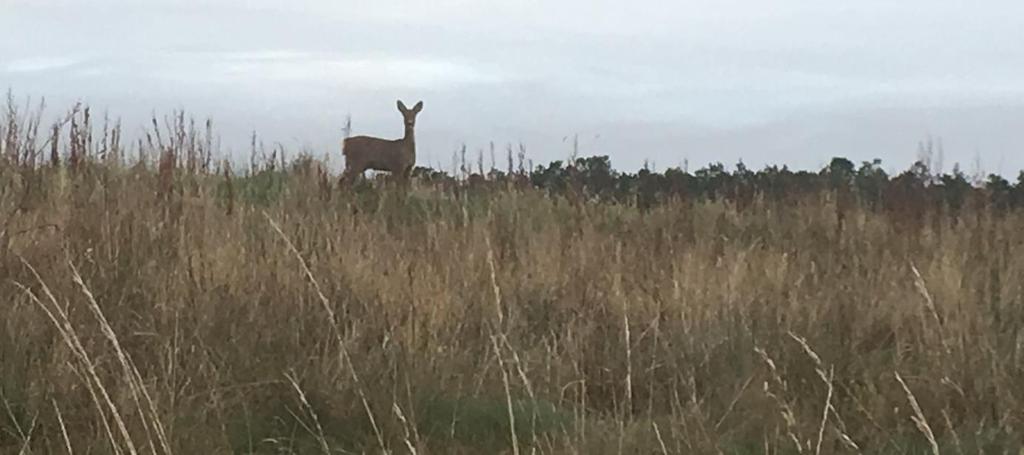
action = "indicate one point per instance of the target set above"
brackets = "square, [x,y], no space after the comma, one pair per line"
[397,156]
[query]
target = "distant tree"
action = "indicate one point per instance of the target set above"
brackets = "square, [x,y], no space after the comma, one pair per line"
[553,178]
[679,183]
[649,188]
[870,182]
[1017,197]
[711,181]
[954,190]
[744,186]
[597,176]
[905,198]
[840,173]
[999,192]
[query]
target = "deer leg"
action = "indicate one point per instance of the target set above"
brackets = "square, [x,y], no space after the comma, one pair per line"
[348,175]
[406,175]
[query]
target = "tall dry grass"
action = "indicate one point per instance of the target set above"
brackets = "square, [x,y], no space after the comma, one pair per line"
[154,305]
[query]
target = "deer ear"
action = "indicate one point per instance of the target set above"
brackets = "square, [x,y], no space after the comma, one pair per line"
[401,106]
[418,107]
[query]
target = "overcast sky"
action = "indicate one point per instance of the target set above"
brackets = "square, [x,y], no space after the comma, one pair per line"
[788,81]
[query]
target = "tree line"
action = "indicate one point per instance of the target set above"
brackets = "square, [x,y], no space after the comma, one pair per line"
[868,184]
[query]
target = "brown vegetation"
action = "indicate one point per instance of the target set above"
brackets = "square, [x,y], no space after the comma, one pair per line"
[165,307]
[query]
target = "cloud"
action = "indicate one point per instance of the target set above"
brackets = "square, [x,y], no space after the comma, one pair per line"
[350,72]
[38,64]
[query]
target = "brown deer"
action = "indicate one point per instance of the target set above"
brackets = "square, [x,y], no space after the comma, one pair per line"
[397,156]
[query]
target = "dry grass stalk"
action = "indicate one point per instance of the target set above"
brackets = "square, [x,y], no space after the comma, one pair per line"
[828,380]
[97,390]
[918,417]
[131,374]
[319,433]
[785,410]
[513,437]
[405,425]
[919,284]
[345,357]
[63,428]
[229,188]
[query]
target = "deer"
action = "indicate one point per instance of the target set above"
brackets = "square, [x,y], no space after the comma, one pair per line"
[397,156]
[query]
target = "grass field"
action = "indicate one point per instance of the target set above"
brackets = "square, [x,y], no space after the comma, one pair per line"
[167,305]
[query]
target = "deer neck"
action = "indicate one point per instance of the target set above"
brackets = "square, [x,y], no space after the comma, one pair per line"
[410,138]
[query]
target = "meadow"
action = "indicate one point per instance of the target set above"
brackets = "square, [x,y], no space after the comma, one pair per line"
[156,299]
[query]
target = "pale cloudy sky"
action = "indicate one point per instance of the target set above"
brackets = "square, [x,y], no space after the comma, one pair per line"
[788,81]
